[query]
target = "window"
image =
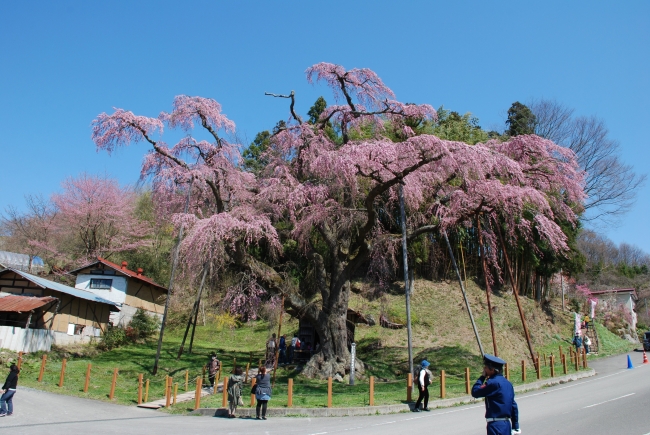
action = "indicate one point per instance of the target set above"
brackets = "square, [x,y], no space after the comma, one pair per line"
[101,284]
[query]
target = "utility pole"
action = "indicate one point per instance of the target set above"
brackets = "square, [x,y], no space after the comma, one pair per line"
[405,260]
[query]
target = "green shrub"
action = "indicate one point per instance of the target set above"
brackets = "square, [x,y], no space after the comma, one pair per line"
[115,336]
[142,326]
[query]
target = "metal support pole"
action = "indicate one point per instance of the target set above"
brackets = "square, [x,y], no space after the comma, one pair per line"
[171,283]
[487,285]
[407,291]
[462,289]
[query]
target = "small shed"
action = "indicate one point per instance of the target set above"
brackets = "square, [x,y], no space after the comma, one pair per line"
[626,297]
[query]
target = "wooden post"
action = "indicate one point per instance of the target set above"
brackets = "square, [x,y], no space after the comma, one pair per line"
[87,382]
[561,353]
[224,400]
[168,390]
[564,367]
[290,393]
[20,360]
[140,380]
[506,370]
[197,392]
[552,365]
[62,375]
[216,381]
[523,370]
[248,366]
[146,391]
[329,392]
[371,401]
[203,374]
[443,392]
[187,379]
[538,368]
[253,395]
[545,363]
[175,393]
[112,393]
[576,361]
[409,387]
[467,383]
[584,358]
[40,373]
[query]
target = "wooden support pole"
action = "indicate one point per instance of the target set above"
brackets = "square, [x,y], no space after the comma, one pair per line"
[168,391]
[576,361]
[523,370]
[552,365]
[187,379]
[112,393]
[506,371]
[19,363]
[40,373]
[545,362]
[409,387]
[443,392]
[371,400]
[538,368]
[146,391]
[329,392]
[175,393]
[87,382]
[248,366]
[224,400]
[290,393]
[197,392]
[253,381]
[62,375]
[467,381]
[140,381]
[561,353]
[564,367]
[487,284]
[584,358]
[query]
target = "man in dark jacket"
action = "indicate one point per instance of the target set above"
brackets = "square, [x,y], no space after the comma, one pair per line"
[500,406]
[8,391]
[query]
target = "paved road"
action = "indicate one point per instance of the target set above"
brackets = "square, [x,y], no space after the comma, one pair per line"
[616,401]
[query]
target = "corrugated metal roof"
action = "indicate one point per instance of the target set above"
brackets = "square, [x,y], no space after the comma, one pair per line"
[22,304]
[51,285]
[122,270]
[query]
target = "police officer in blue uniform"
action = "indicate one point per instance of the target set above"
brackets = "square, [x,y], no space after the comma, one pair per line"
[500,405]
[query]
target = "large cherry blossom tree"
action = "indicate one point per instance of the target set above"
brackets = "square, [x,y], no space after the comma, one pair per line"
[335,198]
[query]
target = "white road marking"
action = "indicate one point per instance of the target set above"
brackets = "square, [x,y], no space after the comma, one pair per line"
[381,424]
[610,400]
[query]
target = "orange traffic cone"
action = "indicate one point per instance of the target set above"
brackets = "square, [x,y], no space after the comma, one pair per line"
[645,358]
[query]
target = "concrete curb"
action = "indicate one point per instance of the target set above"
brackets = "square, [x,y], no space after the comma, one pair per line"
[384,409]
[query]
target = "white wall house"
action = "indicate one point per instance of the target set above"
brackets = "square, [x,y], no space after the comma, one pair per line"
[129,289]
[622,296]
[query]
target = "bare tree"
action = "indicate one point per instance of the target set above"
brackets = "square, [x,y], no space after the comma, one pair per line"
[21,230]
[610,184]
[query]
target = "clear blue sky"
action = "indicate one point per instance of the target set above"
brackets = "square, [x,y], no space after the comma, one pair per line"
[63,62]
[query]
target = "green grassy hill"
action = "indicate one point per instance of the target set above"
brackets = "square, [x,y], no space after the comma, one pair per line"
[441,329]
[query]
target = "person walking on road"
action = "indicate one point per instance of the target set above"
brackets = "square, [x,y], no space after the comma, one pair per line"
[263,392]
[8,391]
[423,381]
[234,391]
[500,406]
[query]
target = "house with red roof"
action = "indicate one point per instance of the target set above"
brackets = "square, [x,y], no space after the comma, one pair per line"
[129,289]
